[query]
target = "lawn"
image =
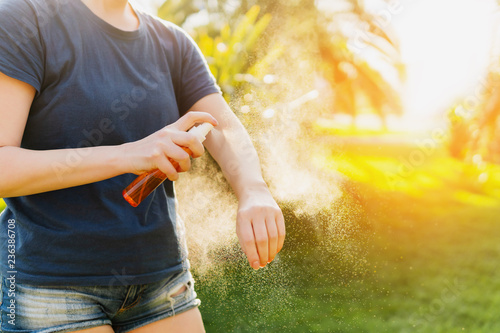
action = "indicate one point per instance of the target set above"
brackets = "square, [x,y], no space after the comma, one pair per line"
[423,257]
[407,248]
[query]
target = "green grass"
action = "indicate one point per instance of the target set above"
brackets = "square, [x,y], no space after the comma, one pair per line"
[432,272]
[426,259]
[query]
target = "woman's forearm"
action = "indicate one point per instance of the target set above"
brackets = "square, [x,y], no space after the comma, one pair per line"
[230,145]
[25,172]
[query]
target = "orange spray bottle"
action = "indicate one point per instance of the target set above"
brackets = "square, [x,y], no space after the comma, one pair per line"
[146,183]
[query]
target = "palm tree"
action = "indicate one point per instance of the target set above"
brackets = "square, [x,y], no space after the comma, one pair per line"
[353,51]
[358,55]
[485,126]
[475,132]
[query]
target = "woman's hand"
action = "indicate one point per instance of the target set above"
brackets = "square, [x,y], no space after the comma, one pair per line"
[260,227]
[162,149]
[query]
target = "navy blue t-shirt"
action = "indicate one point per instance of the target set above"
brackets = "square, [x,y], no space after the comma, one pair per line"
[96,85]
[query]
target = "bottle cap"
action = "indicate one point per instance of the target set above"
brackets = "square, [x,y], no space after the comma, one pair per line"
[201,131]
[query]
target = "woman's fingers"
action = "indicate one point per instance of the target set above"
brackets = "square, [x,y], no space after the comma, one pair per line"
[272,233]
[261,240]
[280,224]
[179,158]
[261,231]
[189,141]
[169,170]
[192,118]
[169,149]
[171,160]
[178,145]
[246,237]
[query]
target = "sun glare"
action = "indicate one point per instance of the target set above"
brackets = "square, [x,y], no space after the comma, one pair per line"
[446,46]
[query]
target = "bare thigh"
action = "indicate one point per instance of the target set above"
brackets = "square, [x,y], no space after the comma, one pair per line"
[186,322]
[100,329]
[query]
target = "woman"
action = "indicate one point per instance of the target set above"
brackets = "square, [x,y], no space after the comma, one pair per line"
[93,93]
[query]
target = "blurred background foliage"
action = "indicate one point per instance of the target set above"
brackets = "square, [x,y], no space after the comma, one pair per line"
[356,55]
[350,56]
[475,122]
[362,62]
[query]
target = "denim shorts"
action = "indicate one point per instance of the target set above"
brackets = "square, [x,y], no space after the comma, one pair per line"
[65,309]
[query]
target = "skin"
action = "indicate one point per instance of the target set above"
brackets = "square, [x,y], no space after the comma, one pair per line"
[260,226]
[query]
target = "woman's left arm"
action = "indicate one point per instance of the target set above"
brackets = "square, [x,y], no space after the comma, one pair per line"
[260,225]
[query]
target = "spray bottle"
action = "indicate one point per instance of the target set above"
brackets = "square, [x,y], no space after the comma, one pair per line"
[146,183]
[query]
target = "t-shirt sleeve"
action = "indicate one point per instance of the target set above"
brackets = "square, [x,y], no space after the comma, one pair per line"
[21,55]
[196,80]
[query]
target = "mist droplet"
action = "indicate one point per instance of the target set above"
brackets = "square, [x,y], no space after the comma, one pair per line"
[477,159]
[245,109]
[483,178]
[269,79]
[221,47]
[248,98]
[269,113]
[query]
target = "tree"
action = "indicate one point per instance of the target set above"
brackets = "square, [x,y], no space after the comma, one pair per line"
[350,48]
[475,127]
[475,130]
[359,52]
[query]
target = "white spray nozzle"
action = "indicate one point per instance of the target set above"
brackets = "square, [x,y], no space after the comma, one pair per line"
[201,131]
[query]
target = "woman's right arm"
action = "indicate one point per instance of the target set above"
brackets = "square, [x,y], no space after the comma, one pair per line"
[25,172]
